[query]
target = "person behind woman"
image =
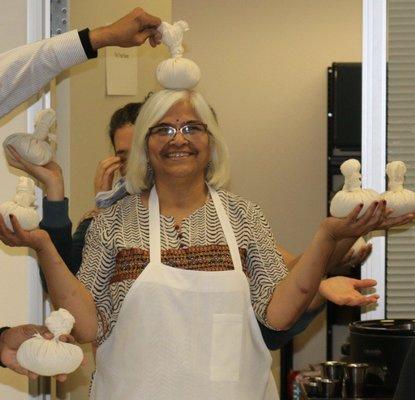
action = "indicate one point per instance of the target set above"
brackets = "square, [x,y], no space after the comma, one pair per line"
[174,275]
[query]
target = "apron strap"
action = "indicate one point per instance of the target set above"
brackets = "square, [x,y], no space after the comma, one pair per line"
[227,230]
[154,226]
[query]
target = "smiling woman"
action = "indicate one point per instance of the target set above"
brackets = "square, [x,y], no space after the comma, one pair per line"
[205,147]
[181,270]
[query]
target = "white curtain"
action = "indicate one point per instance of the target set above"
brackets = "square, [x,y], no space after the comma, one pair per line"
[400,275]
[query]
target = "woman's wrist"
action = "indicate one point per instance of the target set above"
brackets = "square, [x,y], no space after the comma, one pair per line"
[55,190]
[325,235]
[42,242]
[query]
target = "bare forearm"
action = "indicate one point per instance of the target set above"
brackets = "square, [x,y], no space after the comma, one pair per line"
[55,190]
[68,292]
[297,291]
[290,262]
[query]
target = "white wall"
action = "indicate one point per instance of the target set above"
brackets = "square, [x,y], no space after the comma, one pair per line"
[264,71]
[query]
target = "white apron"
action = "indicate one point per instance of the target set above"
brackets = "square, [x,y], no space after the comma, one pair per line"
[185,335]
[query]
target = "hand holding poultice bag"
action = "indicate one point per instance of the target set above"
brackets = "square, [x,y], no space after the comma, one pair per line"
[176,72]
[35,147]
[22,206]
[51,357]
[400,200]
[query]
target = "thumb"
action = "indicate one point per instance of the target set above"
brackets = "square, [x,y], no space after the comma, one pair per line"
[143,35]
[364,283]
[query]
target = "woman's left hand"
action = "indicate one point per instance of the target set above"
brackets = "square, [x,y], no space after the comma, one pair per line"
[345,291]
[376,217]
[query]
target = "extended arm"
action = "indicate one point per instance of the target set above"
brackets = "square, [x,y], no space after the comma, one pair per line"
[28,68]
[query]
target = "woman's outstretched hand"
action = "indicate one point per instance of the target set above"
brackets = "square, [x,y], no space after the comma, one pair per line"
[345,291]
[376,217]
[20,237]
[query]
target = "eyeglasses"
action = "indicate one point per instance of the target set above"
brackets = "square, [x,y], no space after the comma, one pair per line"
[189,130]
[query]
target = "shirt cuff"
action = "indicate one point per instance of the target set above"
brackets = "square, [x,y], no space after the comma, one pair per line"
[68,49]
[1,331]
[86,43]
[55,213]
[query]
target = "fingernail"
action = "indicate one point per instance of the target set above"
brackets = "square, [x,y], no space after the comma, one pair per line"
[361,205]
[11,216]
[384,201]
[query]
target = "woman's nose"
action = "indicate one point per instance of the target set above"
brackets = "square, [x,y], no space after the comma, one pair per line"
[179,138]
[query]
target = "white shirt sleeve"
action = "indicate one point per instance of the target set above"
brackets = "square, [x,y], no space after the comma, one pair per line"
[26,69]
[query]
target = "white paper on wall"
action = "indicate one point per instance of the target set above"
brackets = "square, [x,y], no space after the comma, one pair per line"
[121,71]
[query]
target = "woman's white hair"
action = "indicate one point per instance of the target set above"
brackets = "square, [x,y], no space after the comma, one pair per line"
[138,175]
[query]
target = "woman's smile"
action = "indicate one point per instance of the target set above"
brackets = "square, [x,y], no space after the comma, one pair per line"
[178,155]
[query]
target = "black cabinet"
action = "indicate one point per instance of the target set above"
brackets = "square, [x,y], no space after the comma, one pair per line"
[344,121]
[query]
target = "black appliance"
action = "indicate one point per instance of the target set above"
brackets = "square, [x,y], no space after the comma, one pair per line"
[383,344]
[345,106]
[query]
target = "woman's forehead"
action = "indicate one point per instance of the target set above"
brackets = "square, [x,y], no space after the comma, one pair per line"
[181,111]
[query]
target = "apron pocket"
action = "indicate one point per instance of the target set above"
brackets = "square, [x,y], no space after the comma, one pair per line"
[226,347]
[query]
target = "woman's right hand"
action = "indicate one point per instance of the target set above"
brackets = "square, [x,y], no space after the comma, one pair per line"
[50,174]
[20,237]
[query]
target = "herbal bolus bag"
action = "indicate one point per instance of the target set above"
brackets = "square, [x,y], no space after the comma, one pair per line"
[22,206]
[177,72]
[35,147]
[351,196]
[399,199]
[352,193]
[50,357]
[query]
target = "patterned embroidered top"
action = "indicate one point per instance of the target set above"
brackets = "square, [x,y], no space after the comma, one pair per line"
[117,250]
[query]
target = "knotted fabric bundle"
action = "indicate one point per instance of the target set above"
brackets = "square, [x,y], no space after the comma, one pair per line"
[352,193]
[51,357]
[35,147]
[398,198]
[176,72]
[22,206]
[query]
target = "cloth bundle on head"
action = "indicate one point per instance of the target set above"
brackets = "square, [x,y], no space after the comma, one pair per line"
[35,147]
[22,206]
[177,72]
[51,357]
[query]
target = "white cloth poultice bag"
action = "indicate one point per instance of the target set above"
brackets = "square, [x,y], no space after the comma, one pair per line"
[51,357]
[22,206]
[35,147]
[352,193]
[176,72]
[399,199]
